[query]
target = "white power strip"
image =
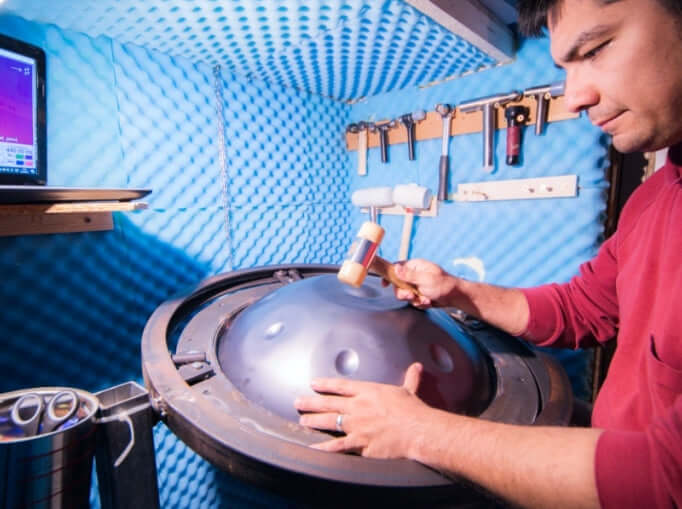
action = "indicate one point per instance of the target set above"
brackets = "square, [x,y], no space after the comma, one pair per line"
[564,186]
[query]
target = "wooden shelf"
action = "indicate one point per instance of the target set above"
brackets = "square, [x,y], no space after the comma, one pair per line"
[462,123]
[40,218]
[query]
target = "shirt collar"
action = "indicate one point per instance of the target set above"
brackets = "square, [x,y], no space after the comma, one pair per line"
[673,163]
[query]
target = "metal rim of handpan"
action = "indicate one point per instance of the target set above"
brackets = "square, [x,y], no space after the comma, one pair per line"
[206,411]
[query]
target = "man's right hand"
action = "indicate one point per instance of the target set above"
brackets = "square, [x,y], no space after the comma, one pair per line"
[434,284]
[504,308]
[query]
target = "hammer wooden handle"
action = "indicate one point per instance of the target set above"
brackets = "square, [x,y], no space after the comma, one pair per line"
[385,269]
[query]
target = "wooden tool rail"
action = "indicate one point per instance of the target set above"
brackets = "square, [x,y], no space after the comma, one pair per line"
[42,218]
[462,123]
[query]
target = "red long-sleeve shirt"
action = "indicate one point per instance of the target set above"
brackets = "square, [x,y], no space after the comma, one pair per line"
[632,288]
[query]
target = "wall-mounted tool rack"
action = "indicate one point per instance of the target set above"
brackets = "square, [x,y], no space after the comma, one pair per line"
[462,123]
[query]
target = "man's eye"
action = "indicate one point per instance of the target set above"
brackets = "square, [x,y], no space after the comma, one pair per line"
[594,51]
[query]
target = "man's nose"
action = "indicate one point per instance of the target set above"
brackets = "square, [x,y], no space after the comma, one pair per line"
[580,92]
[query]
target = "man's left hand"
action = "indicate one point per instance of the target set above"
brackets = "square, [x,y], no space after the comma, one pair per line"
[379,420]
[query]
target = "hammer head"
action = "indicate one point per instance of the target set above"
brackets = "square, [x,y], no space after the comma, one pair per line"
[352,128]
[361,254]
[443,109]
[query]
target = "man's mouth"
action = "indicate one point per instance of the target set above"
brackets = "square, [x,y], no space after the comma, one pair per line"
[605,122]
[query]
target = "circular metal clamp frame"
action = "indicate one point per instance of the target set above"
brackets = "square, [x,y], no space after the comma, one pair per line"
[210,415]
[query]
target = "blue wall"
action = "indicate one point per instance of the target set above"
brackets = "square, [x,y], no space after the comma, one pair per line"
[75,305]
[120,115]
[125,116]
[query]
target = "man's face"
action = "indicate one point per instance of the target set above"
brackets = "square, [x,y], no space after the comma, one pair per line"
[623,65]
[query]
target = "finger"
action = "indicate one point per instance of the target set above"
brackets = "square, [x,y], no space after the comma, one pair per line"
[346,443]
[326,421]
[408,271]
[333,404]
[340,386]
[400,271]
[413,377]
[402,294]
[422,301]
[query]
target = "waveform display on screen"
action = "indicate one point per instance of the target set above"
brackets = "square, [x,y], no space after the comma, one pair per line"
[16,101]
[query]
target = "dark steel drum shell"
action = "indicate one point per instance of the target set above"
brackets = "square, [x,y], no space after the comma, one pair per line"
[321,327]
[215,419]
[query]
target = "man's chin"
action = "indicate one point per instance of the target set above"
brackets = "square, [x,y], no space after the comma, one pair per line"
[628,144]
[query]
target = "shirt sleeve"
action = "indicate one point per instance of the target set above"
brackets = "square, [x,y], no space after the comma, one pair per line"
[637,469]
[580,312]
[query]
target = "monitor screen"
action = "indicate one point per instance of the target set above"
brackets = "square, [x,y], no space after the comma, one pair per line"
[22,113]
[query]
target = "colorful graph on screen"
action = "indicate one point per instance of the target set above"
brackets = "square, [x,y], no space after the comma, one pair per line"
[17,113]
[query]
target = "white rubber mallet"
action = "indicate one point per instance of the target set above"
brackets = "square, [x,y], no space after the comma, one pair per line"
[373,198]
[411,197]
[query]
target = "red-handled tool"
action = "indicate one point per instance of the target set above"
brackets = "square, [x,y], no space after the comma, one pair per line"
[516,116]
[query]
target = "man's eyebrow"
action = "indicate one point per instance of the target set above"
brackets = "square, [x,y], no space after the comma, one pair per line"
[585,37]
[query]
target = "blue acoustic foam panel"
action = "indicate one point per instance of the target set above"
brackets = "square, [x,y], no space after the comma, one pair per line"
[287,179]
[343,50]
[75,305]
[511,243]
[330,232]
[169,143]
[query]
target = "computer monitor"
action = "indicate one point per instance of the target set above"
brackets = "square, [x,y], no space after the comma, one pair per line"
[23,116]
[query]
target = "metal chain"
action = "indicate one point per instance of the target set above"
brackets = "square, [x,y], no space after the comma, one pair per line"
[222,151]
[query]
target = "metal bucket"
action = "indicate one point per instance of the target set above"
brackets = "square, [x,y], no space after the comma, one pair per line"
[48,470]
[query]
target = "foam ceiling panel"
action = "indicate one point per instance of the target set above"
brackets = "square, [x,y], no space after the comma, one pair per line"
[339,49]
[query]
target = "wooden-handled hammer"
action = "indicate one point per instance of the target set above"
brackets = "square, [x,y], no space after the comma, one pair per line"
[362,258]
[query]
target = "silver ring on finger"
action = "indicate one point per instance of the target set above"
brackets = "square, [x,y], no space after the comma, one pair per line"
[339,423]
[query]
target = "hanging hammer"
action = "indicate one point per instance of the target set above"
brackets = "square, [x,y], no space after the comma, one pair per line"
[360,129]
[409,120]
[362,258]
[446,112]
[383,137]
[542,94]
[487,106]
[412,198]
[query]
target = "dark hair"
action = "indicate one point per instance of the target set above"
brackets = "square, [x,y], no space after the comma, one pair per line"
[533,13]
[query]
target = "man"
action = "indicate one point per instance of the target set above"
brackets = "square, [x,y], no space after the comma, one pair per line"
[623,62]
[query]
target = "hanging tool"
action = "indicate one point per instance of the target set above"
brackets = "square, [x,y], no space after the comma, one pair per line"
[353,129]
[373,198]
[446,112]
[362,258]
[487,106]
[542,94]
[363,133]
[361,129]
[409,120]
[411,197]
[516,116]
[383,136]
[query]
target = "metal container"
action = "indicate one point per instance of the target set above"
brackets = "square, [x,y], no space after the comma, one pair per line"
[126,468]
[49,470]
